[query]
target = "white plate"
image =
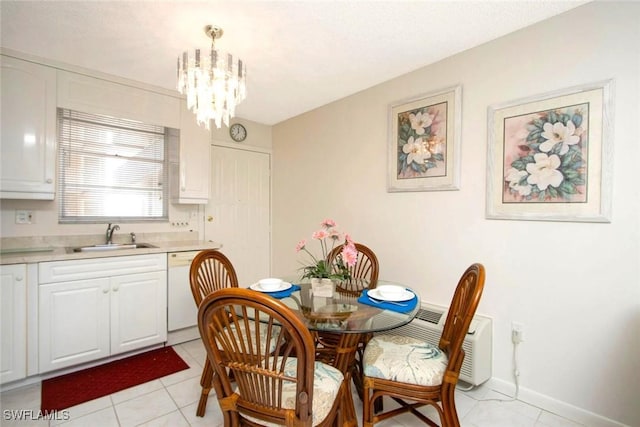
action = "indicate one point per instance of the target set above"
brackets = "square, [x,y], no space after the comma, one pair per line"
[283,287]
[404,296]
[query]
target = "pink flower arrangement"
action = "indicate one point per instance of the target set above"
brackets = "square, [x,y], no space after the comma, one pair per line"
[329,237]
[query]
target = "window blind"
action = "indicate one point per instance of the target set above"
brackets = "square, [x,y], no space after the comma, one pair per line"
[110,169]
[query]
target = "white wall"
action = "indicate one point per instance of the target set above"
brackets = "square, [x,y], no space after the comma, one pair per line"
[574,286]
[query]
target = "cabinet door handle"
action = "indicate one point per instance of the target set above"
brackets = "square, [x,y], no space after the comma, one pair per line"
[115,289]
[105,291]
[49,180]
[18,278]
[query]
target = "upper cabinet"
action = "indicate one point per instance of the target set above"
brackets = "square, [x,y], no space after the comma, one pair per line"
[28,130]
[190,160]
[95,95]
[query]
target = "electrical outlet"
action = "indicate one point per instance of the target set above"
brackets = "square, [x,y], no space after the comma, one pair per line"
[517,332]
[24,217]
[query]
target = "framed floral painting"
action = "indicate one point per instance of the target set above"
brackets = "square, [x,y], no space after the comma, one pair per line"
[550,156]
[424,142]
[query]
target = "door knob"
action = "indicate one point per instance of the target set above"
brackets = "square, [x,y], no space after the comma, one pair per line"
[210,218]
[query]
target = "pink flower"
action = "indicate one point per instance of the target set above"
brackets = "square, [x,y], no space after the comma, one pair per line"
[348,239]
[320,234]
[328,223]
[350,254]
[334,234]
[301,244]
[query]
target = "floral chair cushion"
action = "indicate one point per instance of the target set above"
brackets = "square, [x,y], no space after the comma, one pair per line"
[404,359]
[326,385]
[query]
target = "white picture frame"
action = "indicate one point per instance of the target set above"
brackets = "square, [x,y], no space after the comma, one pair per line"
[424,142]
[550,156]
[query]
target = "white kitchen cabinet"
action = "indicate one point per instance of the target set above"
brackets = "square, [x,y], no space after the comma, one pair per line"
[122,99]
[190,161]
[13,322]
[138,311]
[28,130]
[111,306]
[74,322]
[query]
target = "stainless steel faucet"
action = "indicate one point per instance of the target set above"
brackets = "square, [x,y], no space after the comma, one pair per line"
[110,230]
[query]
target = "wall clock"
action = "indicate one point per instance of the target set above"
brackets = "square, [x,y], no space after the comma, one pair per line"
[238,132]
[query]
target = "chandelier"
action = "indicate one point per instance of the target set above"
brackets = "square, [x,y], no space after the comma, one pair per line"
[213,82]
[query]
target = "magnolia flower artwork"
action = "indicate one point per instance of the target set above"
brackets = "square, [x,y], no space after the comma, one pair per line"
[424,142]
[546,156]
[422,139]
[549,156]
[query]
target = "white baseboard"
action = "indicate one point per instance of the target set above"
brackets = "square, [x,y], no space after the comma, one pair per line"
[183,335]
[554,406]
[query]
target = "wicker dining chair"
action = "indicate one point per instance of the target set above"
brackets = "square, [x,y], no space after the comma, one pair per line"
[363,275]
[210,270]
[277,379]
[415,373]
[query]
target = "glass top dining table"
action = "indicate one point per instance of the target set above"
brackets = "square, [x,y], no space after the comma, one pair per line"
[344,313]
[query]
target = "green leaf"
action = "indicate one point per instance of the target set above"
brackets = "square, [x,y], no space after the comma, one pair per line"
[577,119]
[578,181]
[553,117]
[567,159]
[533,135]
[570,174]
[567,187]
[539,123]
[519,165]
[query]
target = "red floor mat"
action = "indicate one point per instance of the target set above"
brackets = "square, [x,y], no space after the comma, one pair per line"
[72,389]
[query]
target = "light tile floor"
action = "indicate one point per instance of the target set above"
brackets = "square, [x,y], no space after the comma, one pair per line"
[171,401]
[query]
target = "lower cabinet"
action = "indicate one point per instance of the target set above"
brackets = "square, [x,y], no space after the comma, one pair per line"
[13,322]
[88,319]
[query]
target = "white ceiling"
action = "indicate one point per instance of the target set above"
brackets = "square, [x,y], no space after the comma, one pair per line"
[300,54]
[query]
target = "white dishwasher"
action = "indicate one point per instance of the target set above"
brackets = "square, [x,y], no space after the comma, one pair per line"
[181,308]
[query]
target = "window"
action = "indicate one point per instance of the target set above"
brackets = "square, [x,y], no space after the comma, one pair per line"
[111,169]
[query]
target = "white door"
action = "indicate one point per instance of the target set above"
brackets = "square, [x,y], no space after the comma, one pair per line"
[74,322]
[13,322]
[28,130]
[238,212]
[138,310]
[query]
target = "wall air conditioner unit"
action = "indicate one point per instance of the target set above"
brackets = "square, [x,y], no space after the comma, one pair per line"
[428,325]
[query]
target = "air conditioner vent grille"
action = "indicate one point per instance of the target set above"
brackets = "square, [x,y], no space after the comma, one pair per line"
[429,316]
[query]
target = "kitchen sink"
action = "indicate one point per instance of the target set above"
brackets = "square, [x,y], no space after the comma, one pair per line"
[112,247]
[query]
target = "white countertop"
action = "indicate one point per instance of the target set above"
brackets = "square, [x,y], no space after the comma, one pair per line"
[60,253]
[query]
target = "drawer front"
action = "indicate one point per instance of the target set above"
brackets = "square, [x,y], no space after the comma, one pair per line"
[62,271]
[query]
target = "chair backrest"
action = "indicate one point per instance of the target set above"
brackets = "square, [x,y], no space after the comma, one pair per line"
[210,270]
[260,343]
[463,307]
[366,267]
